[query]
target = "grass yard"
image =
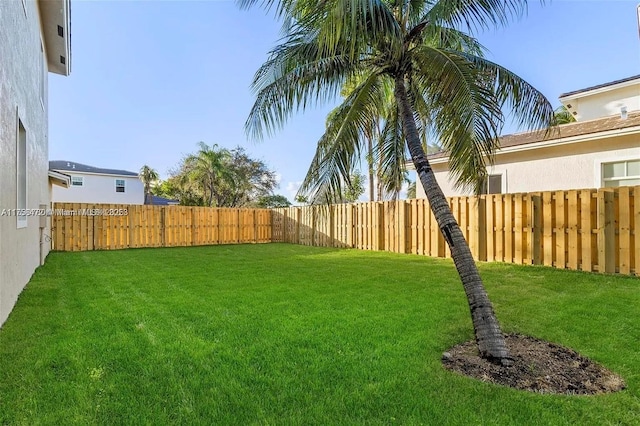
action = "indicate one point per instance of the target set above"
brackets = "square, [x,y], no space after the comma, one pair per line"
[284,334]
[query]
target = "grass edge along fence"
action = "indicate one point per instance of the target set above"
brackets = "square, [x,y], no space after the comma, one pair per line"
[590,230]
[81,227]
[596,230]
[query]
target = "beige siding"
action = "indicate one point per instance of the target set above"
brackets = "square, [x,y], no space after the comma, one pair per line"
[570,166]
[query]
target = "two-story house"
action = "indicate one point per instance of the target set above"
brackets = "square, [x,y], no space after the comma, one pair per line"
[34,40]
[97,185]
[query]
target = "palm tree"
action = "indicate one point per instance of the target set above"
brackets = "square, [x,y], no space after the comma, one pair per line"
[441,85]
[563,115]
[148,176]
[209,168]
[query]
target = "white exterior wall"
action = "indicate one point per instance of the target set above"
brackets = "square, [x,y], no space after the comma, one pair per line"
[605,103]
[21,68]
[571,166]
[608,103]
[99,188]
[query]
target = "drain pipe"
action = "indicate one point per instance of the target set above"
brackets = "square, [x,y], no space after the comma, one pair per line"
[43,225]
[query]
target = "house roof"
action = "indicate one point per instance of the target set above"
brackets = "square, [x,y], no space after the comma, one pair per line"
[579,128]
[600,86]
[59,179]
[71,166]
[161,201]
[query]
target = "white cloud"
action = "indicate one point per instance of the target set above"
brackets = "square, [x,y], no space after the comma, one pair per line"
[292,189]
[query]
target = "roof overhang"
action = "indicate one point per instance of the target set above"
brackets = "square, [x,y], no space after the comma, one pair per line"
[555,142]
[55,18]
[80,172]
[59,179]
[632,81]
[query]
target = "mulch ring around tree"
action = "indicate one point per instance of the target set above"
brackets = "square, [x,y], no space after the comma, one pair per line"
[538,366]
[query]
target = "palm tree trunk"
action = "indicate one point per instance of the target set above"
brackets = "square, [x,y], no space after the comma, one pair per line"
[489,337]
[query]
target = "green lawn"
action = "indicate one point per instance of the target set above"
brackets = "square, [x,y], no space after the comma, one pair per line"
[284,334]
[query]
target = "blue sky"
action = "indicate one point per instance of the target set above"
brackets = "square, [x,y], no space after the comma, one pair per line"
[150,79]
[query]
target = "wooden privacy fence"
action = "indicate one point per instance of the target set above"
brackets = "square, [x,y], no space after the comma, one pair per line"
[80,227]
[589,230]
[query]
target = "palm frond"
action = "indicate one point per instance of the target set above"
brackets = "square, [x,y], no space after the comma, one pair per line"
[474,15]
[294,77]
[348,26]
[390,154]
[341,146]
[530,108]
[466,113]
[452,39]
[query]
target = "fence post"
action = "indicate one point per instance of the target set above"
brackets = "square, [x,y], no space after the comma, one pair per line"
[606,232]
[536,231]
[332,224]
[381,226]
[624,231]
[477,228]
[297,224]
[194,228]
[314,224]
[285,224]
[401,228]
[255,227]
[636,222]
[162,227]
[131,224]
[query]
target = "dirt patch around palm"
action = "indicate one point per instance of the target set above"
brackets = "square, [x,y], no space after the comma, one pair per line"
[538,366]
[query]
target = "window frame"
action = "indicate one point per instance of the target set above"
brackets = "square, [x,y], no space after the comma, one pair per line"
[485,189]
[625,161]
[123,186]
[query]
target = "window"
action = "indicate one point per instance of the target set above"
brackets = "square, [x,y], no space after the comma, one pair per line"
[622,173]
[77,181]
[119,185]
[493,185]
[21,174]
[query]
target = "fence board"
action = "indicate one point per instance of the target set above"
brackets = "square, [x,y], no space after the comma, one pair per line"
[636,229]
[592,230]
[624,252]
[585,230]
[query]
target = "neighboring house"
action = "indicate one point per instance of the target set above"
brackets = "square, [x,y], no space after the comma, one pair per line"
[161,201]
[34,40]
[95,185]
[601,149]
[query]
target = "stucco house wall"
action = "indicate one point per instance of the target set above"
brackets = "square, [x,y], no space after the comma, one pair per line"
[98,188]
[571,156]
[23,99]
[571,166]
